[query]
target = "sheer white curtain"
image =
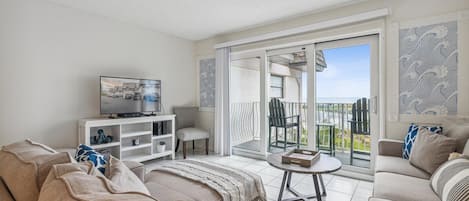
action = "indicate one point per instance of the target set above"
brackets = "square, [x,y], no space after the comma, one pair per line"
[222,102]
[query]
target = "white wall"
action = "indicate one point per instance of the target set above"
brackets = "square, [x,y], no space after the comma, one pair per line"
[244,85]
[401,11]
[51,58]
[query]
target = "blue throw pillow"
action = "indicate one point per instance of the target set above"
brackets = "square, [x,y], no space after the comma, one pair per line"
[412,135]
[86,153]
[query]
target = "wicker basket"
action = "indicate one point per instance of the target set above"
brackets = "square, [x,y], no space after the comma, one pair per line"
[302,157]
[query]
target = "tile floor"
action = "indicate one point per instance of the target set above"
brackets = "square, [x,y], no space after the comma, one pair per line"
[338,188]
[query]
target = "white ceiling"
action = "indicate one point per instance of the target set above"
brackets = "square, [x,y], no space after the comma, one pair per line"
[200,19]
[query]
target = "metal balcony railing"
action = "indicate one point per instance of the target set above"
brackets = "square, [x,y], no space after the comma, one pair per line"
[245,123]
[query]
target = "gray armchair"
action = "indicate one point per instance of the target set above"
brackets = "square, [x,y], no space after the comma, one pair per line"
[186,130]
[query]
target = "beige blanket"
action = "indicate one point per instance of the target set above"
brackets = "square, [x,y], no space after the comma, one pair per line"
[232,184]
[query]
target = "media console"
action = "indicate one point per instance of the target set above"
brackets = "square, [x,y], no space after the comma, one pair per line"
[134,139]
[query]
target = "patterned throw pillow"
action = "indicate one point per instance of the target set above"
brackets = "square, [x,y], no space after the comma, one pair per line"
[412,135]
[451,180]
[86,153]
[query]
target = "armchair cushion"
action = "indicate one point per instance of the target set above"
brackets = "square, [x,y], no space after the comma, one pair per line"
[389,147]
[189,134]
[185,116]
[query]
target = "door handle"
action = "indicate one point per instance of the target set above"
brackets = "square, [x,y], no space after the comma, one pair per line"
[374,102]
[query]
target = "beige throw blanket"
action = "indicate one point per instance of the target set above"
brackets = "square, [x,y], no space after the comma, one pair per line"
[232,184]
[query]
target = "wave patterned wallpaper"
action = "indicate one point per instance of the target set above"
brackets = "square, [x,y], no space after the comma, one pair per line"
[207,82]
[428,60]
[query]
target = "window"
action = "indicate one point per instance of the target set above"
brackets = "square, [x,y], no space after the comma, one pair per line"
[276,86]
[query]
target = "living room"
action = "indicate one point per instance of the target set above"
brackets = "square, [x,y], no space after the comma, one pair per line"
[233,83]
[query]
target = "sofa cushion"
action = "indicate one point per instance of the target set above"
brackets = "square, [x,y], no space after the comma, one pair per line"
[81,181]
[28,165]
[123,177]
[188,134]
[398,165]
[460,132]
[137,168]
[399,187]
[167,186]
[412,133]
[451,180]
[431,150]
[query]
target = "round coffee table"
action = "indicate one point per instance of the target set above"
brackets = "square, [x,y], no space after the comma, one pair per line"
[325,164]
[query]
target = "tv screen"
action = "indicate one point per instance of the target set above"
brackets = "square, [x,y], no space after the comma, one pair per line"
[127,95]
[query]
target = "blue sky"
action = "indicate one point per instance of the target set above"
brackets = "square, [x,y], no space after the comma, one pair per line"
[347,74]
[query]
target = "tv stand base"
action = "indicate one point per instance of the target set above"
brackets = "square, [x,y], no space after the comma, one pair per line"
[129,115]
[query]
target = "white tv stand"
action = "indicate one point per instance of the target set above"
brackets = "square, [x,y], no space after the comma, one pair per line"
[124,130]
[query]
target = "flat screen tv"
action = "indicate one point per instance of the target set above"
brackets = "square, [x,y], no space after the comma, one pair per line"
[130,96]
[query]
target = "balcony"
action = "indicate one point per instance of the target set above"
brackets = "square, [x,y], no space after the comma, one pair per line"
[246,133]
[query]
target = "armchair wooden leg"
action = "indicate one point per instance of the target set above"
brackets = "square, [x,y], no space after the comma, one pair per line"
[177,145]
[184,149]
[206,146]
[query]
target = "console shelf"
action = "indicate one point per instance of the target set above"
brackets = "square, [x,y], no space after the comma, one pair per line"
[137,133]
[162,136]
[126,130]
[102,146]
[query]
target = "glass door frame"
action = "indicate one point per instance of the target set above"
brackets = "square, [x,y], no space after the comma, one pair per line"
[262,103]
[375,89]
[311,78]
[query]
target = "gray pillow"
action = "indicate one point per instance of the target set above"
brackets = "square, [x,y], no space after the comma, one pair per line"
[431,150]
[460,132]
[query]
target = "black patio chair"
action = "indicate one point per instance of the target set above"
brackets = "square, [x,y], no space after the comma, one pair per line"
[278,119]
[359,125]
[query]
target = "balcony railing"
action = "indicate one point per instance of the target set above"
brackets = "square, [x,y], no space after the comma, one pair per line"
[245,123]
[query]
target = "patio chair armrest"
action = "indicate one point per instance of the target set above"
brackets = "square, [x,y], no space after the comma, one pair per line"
[293,116]
[389,147]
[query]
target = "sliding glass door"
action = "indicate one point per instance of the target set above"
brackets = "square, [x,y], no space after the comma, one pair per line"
[347,121]
[321,96]
[247,90]
[288,76]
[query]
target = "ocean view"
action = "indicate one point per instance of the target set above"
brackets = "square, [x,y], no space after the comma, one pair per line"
[337,99]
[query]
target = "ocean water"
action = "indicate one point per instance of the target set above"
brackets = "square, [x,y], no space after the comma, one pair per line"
[337,99]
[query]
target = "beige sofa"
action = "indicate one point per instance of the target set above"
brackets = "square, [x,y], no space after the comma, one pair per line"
[397,180]
[23,176]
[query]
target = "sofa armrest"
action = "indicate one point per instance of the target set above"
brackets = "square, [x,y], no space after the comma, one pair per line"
[388,147]
[137,168]
[5,194]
